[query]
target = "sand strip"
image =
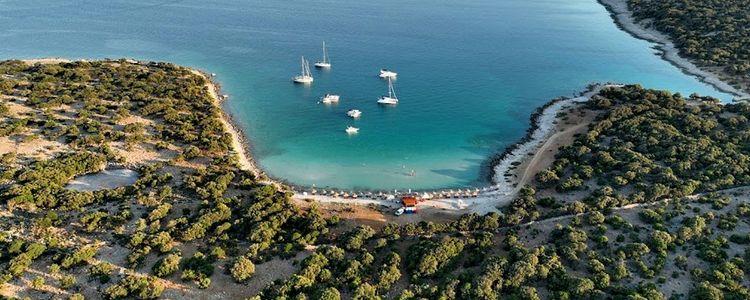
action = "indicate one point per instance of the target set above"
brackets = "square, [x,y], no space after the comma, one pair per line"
[239,141]
[624,19]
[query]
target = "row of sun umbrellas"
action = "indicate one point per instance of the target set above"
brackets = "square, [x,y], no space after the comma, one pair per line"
[459,193]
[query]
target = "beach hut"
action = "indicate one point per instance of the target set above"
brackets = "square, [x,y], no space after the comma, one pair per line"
[410,204]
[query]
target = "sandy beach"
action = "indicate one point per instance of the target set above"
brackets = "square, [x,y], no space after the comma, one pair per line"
[624,19]
[239,141]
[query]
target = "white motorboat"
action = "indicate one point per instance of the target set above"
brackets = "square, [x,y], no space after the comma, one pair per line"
[329,98]
[305,77]
[354,113]
[385,73]
[326,63]
[352,130]
[391,98]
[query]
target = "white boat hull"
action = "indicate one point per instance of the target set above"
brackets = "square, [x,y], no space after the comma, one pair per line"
[388,100]
[303,79]
[330,99]
[322,65]
[387,74]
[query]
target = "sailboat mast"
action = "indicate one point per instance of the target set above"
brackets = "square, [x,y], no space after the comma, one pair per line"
[391,92]
[302,64]
[325,53]
[390,86]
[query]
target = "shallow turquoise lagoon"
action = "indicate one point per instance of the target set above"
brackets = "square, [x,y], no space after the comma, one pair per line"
[470,72]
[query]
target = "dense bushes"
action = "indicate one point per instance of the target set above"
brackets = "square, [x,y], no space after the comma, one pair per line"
[653,145]
[167,265]
[42,184]
[134,286]
[242,269]
[428,257]
[21,259]
[713,32]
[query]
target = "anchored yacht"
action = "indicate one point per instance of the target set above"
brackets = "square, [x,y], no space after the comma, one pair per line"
[326,63]
[385,73]
[391,98]
[329,98]
[352,130]
[354,113]
[305,77]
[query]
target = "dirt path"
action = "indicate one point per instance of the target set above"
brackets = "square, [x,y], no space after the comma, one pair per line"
[542,158]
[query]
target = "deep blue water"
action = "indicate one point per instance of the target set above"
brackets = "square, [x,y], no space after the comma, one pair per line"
[470,72]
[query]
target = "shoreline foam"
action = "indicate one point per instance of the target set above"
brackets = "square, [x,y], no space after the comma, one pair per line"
[543,123]
[623,18]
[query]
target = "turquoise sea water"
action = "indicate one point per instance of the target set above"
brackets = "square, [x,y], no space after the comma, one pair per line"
[470,72]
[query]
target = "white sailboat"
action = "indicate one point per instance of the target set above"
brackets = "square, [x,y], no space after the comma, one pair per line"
[325,64]
[391,98]
[385,73]
[352,130]
[305,77]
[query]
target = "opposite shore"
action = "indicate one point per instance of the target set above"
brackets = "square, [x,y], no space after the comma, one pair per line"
[624,19]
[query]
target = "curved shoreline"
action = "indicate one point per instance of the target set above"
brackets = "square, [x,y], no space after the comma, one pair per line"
[240,142]
[623,18]
[534,125]
[542,125]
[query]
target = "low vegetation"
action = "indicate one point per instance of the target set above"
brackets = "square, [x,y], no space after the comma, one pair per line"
[195,225]
[714,33]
